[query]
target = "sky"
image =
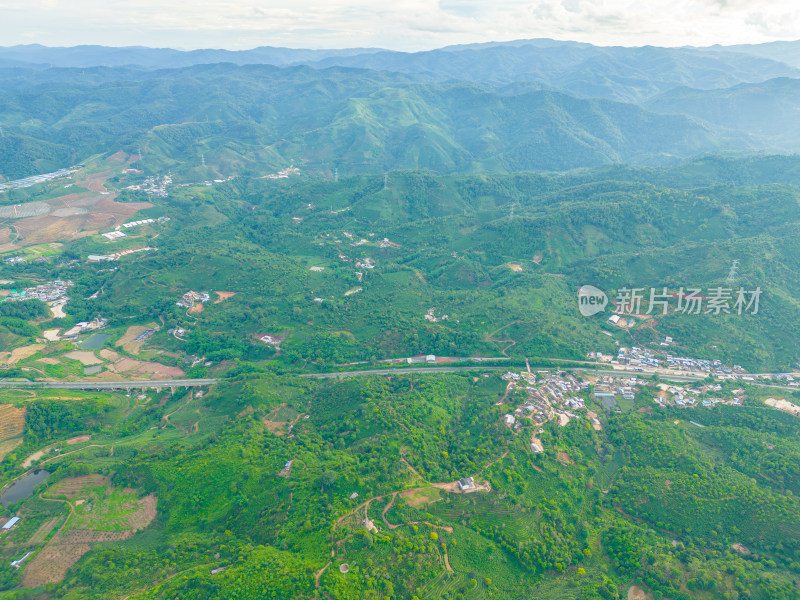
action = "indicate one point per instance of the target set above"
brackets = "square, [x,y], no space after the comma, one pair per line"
[407,25]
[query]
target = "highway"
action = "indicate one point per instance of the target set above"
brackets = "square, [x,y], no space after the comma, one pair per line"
[400,371]
[107,385]
[166,383]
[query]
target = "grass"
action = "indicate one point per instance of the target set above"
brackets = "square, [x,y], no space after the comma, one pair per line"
[106,509]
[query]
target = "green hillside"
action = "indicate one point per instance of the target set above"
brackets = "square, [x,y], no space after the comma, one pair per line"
[262,118]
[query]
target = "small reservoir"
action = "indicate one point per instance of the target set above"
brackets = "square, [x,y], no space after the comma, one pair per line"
[23,487]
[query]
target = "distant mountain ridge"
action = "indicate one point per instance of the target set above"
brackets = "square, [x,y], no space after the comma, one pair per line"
[769,111]
[497,107]
[618,73]
[358,120]
[158,58]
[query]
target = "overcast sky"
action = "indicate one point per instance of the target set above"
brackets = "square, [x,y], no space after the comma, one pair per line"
[403,25]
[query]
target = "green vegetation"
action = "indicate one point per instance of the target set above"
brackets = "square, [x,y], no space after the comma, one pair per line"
[273,483]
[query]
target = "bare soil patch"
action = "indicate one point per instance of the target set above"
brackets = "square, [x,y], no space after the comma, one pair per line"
[146,513]
[637,593]
[18,354]
[139,368]
[34,457]
[564,458]
[223,296]
[85,357]
[134,331]
[50,565]
[79,439]
[197,308]
[276,427]
[783,405]
[516,267]
[95,181]
[110,355]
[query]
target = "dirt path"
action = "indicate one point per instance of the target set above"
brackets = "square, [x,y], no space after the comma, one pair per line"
[319,574]
[447,563]
[73,452]
[413,470]
[386,508]
[490,337]
[491,464]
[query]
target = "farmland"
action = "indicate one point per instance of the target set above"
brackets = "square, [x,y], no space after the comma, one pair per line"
[98,513]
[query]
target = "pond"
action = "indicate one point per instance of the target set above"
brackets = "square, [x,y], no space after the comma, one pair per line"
[95,342]
[23,487]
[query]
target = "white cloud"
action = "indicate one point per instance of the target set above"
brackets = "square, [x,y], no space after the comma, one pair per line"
[409,25]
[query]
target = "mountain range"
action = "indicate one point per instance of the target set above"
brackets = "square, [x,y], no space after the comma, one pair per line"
[503,107]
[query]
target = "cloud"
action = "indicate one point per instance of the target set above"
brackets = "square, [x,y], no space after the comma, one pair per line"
[410,25]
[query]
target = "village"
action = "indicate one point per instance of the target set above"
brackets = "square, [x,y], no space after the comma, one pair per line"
[153,186]
[543,396]
[190,298]
[46,292]
[646,360]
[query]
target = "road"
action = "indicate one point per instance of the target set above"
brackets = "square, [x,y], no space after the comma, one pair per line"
[107,385]
[401,371]
[165,383]
[609,372]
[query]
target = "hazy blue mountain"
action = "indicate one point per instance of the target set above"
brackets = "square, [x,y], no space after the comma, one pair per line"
[785,51]
[157,58]
[768,111]
[616,73]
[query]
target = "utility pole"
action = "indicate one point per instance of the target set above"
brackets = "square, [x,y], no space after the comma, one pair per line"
[336,174]
[732,272]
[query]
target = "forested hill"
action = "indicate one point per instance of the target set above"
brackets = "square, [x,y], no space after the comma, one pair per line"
[355,120]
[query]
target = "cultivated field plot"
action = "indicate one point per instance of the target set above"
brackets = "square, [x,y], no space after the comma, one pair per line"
[134,331]
[67,217]
[85,357]
[119,365]
[12,421]
[78,487]
[421,497]
[71,217]
[111,509]
[281,420]
[18,354]
[101,514]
